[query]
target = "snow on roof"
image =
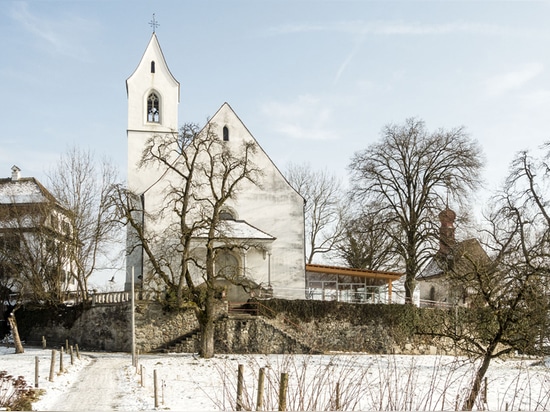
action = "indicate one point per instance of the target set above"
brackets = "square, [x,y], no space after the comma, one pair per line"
[239,229]
[26,190]
[432,269]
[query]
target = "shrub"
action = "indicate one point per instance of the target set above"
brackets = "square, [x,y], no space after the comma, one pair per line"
[15,394]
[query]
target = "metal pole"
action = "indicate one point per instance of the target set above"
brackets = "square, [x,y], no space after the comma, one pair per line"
[132,299]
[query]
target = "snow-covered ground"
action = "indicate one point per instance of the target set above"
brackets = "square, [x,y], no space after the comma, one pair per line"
[107,381]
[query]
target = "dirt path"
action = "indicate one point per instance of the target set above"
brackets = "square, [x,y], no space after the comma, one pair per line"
[97,387]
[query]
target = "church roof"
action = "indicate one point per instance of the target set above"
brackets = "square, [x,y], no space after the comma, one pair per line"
[464,257]
[239,229]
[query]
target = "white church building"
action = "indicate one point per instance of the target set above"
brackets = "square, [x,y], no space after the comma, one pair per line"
[266,219]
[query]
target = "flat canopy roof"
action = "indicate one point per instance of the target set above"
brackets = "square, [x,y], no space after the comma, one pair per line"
[364,273]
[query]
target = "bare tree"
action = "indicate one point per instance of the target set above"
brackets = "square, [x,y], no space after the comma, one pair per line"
[365,243]
[322,194]
[200,174]
[409,176]
[83,185]
[508,294]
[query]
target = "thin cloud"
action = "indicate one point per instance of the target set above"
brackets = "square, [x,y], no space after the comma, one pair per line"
[307,118]
[56,35]
[401,28]
[513,80]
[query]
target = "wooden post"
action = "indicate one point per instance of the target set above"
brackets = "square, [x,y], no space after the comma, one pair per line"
[240,384]
[260,398]
[66,345]
[72,354]
[61,360]
[52,366]
[77,351]
[142,374]
[43,342]
[36,371]
[15,333]
[337,397]
[283,387]
[155,388]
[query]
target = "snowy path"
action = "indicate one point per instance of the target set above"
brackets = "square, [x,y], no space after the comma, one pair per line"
[98,387]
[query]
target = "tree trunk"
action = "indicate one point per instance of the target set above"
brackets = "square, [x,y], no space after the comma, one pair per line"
[409,289]
[15,333]
[208,326]
[207,340]
[480,374]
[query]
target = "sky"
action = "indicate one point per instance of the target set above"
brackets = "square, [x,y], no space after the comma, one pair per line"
[314,81]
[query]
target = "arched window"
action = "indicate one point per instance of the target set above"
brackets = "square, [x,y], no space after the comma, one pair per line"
[225,134]
[226,215]
[153,111]
[432,293]
[227,265]
[152,66]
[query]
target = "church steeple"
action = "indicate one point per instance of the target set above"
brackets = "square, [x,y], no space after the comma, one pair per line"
[446,231]
[153,99]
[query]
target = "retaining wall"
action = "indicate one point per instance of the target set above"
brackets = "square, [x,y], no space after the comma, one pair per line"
[289,327]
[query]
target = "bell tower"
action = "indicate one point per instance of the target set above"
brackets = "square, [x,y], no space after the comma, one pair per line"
[153,98]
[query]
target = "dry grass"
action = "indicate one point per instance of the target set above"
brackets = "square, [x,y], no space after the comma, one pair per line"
[362,382]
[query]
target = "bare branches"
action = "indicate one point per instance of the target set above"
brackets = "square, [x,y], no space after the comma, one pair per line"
[409,175]
[323,209]
[83,186]
[176,223]
[508,294]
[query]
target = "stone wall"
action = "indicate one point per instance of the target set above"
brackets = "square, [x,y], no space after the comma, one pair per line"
[105,327]
[255,335]
[326,326]
[285,327]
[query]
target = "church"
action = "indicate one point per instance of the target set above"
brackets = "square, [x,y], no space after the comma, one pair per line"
[265,220]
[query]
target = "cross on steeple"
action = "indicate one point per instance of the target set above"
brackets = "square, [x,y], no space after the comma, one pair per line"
[153,23]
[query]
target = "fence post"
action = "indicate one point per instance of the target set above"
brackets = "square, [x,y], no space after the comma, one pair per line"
[52,366]
[337,398]
[61,360]
[77,351]
[43,342]
[155,388]
[36,371]
[72,354]
[66,345]
[282,391]
[260,398]
[142,373]
[240,378]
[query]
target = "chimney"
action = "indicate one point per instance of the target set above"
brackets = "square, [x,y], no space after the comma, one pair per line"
[15,173]
[446,231]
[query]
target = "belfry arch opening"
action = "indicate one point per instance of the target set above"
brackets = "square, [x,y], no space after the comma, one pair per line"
[153,108]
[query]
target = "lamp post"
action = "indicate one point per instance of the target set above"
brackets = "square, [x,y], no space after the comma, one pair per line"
[133,322]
